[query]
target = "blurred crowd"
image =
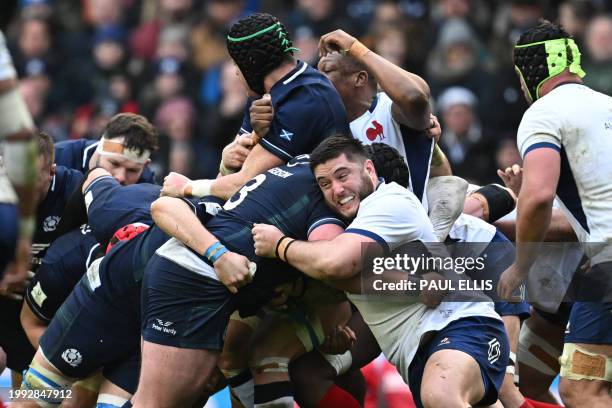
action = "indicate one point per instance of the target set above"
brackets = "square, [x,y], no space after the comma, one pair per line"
[82,62]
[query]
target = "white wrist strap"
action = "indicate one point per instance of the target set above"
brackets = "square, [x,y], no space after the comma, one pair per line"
[200,188]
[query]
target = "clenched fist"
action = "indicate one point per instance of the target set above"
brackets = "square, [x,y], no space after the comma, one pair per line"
[174,185]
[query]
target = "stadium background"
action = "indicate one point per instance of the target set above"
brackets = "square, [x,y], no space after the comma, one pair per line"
[80,62]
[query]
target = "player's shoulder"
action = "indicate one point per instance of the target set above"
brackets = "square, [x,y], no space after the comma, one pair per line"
[393,200]
[71,245]
[302,84]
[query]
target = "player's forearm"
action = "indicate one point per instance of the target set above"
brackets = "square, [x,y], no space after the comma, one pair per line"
[560,230]
[409,91]
[225,187]
[319,260]
[175,218]
[33,327]
[534,213]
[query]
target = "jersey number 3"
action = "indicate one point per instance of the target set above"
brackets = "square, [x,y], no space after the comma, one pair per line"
[242,193]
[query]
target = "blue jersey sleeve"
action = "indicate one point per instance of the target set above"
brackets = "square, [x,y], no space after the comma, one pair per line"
[147,176]
[206,207]
[64,264]
[246,127]
[300,123]
[320,214]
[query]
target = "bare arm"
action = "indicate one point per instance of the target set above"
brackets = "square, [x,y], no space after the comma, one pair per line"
[258,161]
[33,327]
[339,258]
[175,218]
[409,92]
[559,230]
[541,170]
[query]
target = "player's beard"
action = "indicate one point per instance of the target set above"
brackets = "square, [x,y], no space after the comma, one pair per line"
[367,186]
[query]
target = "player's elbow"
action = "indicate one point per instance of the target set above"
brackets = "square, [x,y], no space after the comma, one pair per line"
[160,207]
[542,198]
[416,101]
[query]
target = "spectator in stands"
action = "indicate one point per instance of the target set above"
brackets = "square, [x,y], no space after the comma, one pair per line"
[463,141]
[598,61]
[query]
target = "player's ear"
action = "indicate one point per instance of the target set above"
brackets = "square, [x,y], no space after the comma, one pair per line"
[369,168]
[361,79]
[53,168]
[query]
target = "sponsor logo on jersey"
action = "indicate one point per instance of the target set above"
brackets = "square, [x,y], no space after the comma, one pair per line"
[72,357]
[163,326]
[494,350]
[444,341]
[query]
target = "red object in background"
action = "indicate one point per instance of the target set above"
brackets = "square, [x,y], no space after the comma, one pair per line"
[385,387]
[375,131]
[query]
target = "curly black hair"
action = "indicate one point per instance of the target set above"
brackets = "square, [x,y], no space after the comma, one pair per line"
[389,163]
[258,44]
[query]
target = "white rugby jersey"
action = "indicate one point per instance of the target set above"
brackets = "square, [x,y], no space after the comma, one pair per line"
[577,121]
[471,229]
[392,215]
[377,125]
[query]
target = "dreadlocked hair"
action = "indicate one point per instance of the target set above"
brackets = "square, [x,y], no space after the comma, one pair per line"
[389,163]
[258,44]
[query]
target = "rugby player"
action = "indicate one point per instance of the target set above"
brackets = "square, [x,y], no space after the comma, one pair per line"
[399,115]
[55,184]
[563,139]
[443,371]
[110,206]
[17,174]
[300,106]
[288,197]
[124,150]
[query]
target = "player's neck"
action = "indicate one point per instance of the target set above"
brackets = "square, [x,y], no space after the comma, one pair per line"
[555,81]
[278,73]
[358,106]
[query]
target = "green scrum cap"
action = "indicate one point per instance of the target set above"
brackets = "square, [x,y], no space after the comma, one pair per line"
[538,61]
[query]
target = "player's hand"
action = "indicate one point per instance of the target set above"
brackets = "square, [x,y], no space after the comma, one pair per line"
[336,41]
[435,130]
[341,339]
[234,270]
[509,281]
[16,276]
[512,178]
[261,113]
[266,238]
[174,185]
[235,153]
[432,298]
